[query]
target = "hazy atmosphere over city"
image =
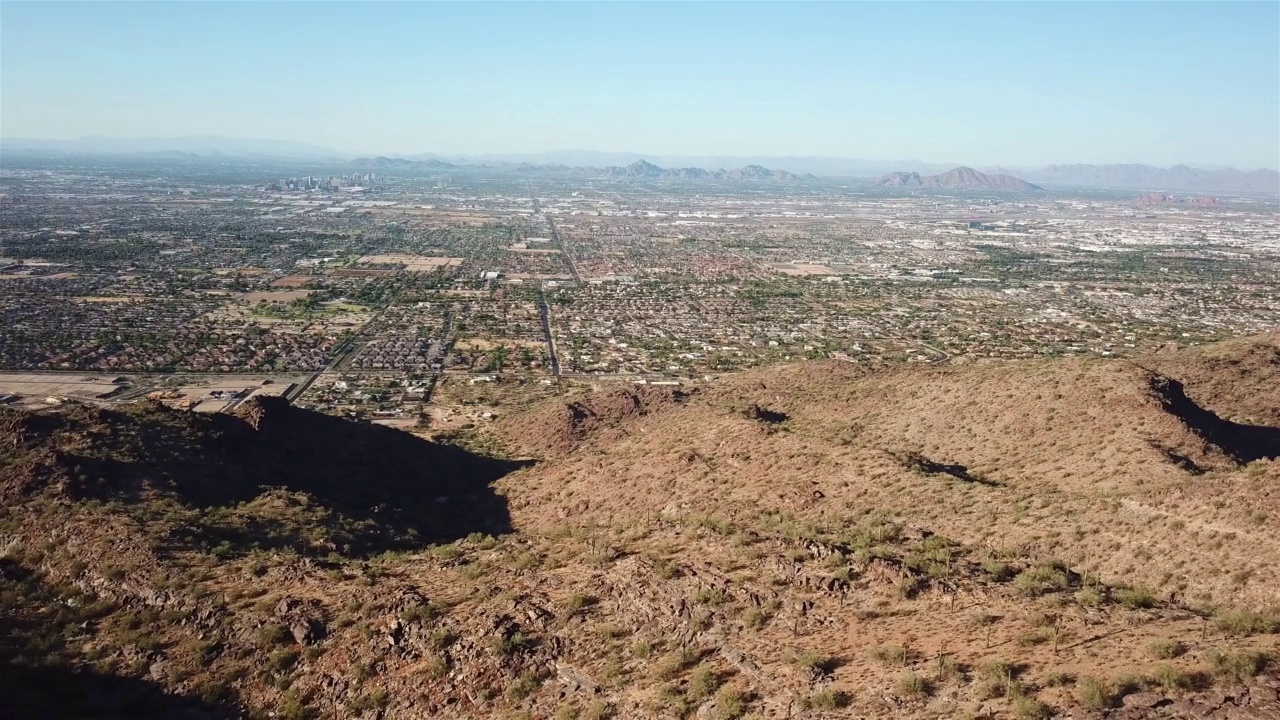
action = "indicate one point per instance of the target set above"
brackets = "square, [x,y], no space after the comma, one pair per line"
[647,360]
[960,83]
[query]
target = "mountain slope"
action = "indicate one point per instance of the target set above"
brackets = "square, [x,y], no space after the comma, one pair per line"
[961,178]
[1008,539]
[1036,434]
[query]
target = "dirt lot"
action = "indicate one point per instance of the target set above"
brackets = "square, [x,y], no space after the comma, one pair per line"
[411,263]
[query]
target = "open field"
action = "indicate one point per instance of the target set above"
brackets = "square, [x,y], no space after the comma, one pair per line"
[411,263]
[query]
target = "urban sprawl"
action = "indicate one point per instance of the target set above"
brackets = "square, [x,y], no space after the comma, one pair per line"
[367,293]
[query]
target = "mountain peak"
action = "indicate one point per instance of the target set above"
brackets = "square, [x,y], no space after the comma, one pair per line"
[959,178]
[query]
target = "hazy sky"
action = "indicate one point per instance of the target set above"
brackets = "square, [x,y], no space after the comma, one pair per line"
[1010,83]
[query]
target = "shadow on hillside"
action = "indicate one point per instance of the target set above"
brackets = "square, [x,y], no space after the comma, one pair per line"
[40,679]
[1243,443]
[921,464]
[59,692]
[280,476]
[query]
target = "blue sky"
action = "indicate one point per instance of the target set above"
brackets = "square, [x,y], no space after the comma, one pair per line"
[1009,83]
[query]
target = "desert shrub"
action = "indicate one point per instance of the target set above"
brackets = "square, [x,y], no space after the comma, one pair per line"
[441,639]
[642,648]
[1135,597]
[482,541]
[446,552]
[1041,579]
[437,666]
[579,602]
[1035,637]
[273,633]
[755,618]
[1241,623]
[666,569]
[674,663]
[1172,678]
[1165,648]
[374,700]
[731,703]
[600,710]
[510,644]
[526,561]
[1094,693]
[524,685]
[1030,708]
[711,596]
[419,613]
[1089,597]
[294,707]
[889,654]
[826,700]
[1057,678]
[282,659]
[1041,620]
[1238,666]
[912,685]
[813,662]
[702,682]
[998,678]
[910,586]
[997,569]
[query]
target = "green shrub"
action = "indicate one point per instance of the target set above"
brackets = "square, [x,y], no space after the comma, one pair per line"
[814,662]
[674,663]
[1094,693]
[1135,597]
[826,700]
[1241,623]
[1041,579]
[525,685]
[702,682]
[1238,666]
[912,685]
[282,659]
[1166,648]
[889,654]
[578,602]
[1089,597]
[1030,708]
[419,613]
[274,633]
[1172,678]
[731,703]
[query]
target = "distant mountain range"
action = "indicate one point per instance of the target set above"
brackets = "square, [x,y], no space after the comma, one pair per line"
[386,163]
[640,169]
[198,148]
[1163,199]
[1178,177]
[645,169]
[202,145]
[961,178]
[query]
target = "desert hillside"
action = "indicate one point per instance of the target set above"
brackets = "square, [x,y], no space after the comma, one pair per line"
[1041,538]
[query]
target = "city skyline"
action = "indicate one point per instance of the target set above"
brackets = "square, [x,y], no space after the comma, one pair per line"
[979,84]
